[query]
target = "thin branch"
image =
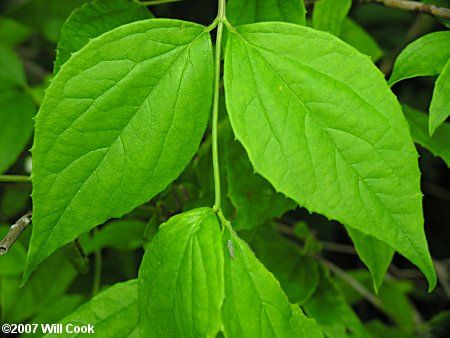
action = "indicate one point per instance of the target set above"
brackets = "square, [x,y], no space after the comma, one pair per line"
[357,286]
[14,232]
[14,178]
[415,6]
[406,5]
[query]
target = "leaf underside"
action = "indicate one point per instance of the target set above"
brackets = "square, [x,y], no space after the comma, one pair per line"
[319,122]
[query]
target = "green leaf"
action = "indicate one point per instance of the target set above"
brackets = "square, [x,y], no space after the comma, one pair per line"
[12,75]
[45,16]
[13,32]
[255,305]
[113,313]
[356,36]
[240,12]
[439,144]
[117,126]
[375,254]
[439,107]
[298,274]
[181,278]
[253,197]
[118,234]
[319,122]
[329,15]
[332,313]
[425,56]
[16,125]
[50,281]
[92,20]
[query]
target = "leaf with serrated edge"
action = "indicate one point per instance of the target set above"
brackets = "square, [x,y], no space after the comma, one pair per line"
[255,305]
[113,313]
[329,15]
[120,121]
[240,12]
[439,107]
[319,122]
[181,284]
[93,19]
[439,144]
[425,56]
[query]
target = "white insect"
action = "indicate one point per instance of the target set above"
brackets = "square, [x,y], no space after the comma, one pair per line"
[230,248]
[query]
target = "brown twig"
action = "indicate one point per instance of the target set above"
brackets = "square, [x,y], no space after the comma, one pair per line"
[406,5]
[14,232]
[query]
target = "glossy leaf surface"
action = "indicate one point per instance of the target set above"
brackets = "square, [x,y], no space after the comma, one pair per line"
[118,123]
[319,122]
[181,284]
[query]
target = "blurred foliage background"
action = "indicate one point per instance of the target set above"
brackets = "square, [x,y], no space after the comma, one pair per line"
[31,28]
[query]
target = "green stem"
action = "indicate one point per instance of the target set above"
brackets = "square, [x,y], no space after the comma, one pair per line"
[215,113]
[14,178]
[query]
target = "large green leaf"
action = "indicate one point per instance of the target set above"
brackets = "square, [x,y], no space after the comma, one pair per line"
[297,273]
[329,15]
[425,56]
[439,107]
[319,122]
[92,20]
[118,123]
[181,283]
[333,314]
[253,197]
[249,11]
[439,144]
[113,313]
[255,305]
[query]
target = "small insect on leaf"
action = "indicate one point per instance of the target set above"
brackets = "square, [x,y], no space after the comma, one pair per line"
[230,248]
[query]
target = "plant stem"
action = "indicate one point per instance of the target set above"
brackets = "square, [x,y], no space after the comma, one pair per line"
[14,232]
[357,286]
[14,178]
[405,5]
[215,113]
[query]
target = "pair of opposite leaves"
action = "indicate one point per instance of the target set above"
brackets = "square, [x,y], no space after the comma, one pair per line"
[125,115]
